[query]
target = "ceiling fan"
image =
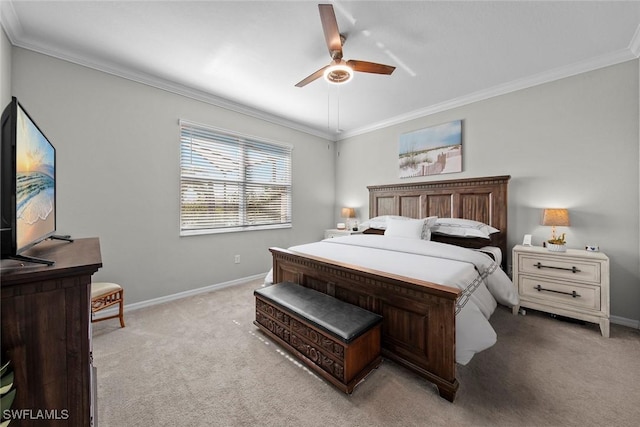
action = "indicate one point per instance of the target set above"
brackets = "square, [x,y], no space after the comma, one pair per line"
[339,70]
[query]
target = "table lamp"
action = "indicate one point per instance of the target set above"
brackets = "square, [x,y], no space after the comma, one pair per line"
[348,213]
[556,218]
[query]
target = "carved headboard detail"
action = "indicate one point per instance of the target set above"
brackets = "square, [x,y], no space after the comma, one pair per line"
[481,199]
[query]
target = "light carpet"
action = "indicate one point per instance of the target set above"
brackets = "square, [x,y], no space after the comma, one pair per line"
[200,361]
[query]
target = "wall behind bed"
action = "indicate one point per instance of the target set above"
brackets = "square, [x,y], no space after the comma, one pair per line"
[570,143]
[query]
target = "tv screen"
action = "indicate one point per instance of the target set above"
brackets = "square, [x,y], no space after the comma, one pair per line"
[35,183]
[29,182]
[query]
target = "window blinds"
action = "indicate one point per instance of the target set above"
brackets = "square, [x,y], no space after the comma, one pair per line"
[231,182]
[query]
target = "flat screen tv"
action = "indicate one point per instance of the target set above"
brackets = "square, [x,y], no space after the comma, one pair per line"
[28,186]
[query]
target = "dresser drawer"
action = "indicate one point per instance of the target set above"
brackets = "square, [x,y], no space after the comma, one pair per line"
[559,267]
[561,292]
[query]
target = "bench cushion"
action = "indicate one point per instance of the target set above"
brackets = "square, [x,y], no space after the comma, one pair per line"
[340,319]
[99,289]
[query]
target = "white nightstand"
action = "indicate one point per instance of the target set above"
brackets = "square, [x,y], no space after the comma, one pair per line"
[334,232]
[574,283]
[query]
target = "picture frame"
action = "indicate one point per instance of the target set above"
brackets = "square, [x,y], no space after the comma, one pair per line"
[431,151]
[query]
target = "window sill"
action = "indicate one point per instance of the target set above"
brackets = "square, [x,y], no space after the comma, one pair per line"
[184,233]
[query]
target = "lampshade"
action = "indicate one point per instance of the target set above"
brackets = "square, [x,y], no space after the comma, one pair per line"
[348,213]
[555,217]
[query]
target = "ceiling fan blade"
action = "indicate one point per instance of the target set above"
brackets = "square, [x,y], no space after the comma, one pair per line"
[330,28]
[312,77]
[370,67]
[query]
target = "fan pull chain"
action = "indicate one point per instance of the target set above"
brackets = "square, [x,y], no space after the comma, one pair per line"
[338,115]
[328,108]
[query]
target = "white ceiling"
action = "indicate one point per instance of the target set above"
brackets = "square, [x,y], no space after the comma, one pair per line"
[248,56]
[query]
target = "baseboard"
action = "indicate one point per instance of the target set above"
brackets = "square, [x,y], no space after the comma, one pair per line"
[161,300]
[625,322]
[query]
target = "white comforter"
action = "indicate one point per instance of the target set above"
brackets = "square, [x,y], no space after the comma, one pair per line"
[482,281]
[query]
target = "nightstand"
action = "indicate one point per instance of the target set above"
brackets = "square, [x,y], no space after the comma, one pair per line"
[574,283]
[334,232]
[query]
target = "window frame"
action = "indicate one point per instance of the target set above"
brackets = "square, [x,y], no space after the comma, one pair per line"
[246,142]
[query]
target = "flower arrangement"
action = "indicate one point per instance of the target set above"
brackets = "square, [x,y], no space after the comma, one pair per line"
[558,240]
[557,244]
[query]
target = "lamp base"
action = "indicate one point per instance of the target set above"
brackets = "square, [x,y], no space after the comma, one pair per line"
[556,248]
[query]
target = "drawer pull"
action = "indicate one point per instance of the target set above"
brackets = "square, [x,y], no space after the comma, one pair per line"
[573,269]
[574,294]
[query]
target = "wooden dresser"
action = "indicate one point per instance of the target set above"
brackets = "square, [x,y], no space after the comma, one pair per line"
[574,283]
[46,332]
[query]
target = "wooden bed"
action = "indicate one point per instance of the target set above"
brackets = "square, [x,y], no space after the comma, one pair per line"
[418,330]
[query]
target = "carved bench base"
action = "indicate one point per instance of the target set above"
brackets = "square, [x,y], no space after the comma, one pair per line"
[342,364]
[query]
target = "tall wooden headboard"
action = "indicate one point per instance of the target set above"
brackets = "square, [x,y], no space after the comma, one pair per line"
[481,199]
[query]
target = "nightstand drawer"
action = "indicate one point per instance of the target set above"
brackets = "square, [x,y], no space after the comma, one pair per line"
[562,292]
[559,267]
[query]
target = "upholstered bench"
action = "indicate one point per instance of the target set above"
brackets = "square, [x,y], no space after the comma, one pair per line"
[339,341]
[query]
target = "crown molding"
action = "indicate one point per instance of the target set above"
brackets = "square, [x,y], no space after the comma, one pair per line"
[634,46]
[178,89]
[613,58]
[11,24]
[9,21]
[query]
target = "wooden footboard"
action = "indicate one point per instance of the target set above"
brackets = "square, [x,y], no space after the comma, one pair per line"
[418,327]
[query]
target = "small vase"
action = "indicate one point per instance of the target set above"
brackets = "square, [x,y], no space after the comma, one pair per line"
[556,248]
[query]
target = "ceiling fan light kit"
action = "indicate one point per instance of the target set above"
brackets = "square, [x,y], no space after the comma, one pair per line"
[338,74]
[340,71]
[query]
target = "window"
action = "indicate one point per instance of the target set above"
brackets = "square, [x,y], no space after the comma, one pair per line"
[232,182]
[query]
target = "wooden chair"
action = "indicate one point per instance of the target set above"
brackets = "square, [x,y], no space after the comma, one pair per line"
[104,295]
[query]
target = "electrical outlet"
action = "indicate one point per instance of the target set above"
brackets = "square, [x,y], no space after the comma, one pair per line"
[236,259]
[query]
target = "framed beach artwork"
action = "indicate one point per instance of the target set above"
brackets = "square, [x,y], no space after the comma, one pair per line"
[431,151]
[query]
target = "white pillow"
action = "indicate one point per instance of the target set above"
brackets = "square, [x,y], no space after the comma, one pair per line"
[380,222]
[463,228]
[429,222]
[408,228]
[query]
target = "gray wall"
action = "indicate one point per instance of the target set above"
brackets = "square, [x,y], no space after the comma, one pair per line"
[5,69]
[573,143]
[570,143]
[117,145]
